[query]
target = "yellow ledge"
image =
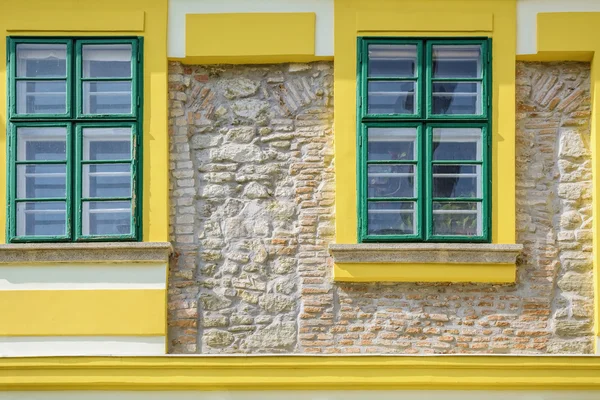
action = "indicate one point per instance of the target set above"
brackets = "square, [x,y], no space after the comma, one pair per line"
[425,262]
[301,373]
[424,272]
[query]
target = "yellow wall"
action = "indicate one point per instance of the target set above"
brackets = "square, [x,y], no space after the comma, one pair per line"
[147,18]
[482,18]
[82,313]
[250,38]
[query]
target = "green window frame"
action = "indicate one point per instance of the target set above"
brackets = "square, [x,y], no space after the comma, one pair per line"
[94,144]
[432,98]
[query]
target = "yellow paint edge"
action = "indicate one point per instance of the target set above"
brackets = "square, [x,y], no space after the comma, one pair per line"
[301,373]
[424,272]
[545,56]
[261,59]
[83,312]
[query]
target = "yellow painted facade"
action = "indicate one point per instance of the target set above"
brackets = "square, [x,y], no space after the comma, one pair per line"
[143,312]
[147,18]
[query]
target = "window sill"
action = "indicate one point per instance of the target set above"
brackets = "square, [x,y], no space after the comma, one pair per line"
[113,252]
[425,262]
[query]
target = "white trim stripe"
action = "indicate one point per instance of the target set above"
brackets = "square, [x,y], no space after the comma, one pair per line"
[179,8]
[527,11]
[31,346]
[83,277]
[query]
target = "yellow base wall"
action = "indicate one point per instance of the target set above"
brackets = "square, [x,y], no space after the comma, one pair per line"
[301,373]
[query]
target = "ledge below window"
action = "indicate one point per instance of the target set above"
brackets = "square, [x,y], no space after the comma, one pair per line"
[425,262]
[113,252]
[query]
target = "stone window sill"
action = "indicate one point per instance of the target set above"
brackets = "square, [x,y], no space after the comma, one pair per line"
[425,262]
[100,252]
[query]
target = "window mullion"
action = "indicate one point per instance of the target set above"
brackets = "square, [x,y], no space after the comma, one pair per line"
[71,207]
[425,203]
[70,177]
[427,183]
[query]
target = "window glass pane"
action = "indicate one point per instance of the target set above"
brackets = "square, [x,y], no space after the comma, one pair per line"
[457,144]
[391,143]
[458,218]
[41,60]
[389,97]
[48,97]
[41,218]
[41,180]
[456,61]
[391,181]
[106,218]
[456,98]
[41,143]
[106,180]
[106,143]
[457,181]
[391,218]
[107,60]
[392,60]
[107,97]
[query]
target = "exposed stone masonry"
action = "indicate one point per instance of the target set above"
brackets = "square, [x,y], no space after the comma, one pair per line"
[252,190]
[252,194]
[554,197]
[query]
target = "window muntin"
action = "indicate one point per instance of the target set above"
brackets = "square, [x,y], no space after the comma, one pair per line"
[106,84]
[73,174]
[423,148]
[40,84]
[392,73]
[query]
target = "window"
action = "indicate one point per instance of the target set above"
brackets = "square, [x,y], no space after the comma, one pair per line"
[73,135]
[424,123]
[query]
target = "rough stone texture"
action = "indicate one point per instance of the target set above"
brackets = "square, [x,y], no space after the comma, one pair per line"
[554,193]
[252,195]
[252,190]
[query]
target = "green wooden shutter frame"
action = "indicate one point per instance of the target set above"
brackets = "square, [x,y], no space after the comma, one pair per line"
[74,120]
[425,121]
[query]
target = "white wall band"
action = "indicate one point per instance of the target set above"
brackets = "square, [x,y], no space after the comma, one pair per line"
[83,277]
[40,346]
[527,11]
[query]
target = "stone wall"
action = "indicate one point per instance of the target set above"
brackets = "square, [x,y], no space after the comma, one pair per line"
[252,194]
